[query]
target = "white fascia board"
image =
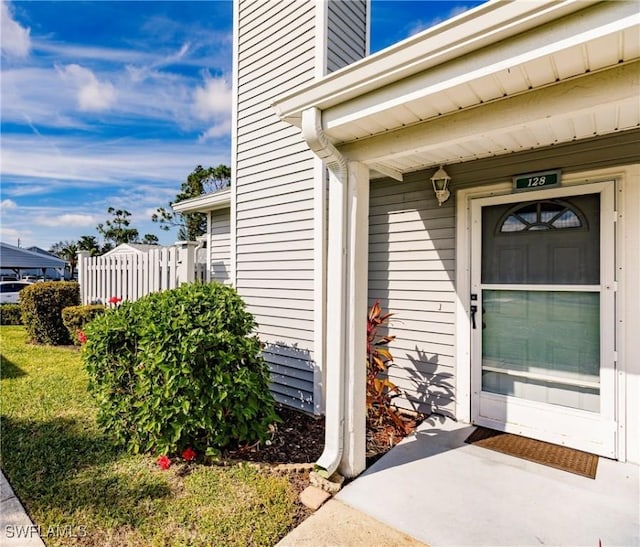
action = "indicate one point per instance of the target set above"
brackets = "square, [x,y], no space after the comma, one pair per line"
[482,26]
[204,203]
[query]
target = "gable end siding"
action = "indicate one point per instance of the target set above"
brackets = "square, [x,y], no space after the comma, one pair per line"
[279,47]
[346,33]
[274,192]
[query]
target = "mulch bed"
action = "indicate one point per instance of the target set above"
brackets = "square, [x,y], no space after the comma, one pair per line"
[299,439]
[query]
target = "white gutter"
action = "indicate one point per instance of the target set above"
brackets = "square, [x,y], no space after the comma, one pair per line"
[336,291]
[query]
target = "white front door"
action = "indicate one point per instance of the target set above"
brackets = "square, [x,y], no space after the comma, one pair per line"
[543,290]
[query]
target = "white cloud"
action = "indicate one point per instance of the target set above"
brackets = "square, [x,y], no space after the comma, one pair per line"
[69,219]
[92,94]
[92,53]
[419,25]
[9,233]
[139,73]
[36,96]
[7,204]
[213,99]
[80,163]
[215,131]
[15,39]
[212,103]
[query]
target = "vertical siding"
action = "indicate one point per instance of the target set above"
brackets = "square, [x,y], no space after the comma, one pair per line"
[411,272]
[274,191]
[346,32]
[220,246]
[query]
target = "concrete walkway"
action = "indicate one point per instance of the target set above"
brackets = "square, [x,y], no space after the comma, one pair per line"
[441,491]
[16,528]
[336,524]
[434,489]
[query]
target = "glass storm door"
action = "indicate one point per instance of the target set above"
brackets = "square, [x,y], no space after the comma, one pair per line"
[543,331]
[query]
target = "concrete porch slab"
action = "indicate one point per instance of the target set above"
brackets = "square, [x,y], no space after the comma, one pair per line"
[439,490]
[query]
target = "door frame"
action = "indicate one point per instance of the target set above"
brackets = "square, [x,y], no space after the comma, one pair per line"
[463,376]
[591,432]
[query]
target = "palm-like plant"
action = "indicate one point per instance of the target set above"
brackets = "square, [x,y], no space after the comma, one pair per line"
[380,389]
[89,243]
[69,252]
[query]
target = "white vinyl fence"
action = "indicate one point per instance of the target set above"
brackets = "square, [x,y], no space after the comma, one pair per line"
[131,276]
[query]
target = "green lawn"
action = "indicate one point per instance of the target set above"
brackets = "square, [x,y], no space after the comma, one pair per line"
[73,482]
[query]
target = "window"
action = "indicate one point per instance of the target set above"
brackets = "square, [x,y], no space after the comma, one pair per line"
[541,215]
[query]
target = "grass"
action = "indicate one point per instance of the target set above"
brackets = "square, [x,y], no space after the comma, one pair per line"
[72,481]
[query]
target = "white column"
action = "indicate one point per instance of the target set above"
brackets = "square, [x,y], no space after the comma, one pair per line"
[82,276]
[357,260]
[186,261]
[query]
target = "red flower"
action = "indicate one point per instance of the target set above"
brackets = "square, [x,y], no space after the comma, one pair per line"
[82,337]
[189,454]
[164,462]
[114,300]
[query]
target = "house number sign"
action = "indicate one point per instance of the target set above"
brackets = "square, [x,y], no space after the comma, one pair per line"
[536,181]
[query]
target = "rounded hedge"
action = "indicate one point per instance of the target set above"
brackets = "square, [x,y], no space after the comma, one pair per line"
[10,314]
[41,305]
[178,369]
[76,318]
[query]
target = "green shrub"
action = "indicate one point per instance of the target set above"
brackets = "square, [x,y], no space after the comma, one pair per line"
[41,305]
[10,314]
[179,368]
[75,318]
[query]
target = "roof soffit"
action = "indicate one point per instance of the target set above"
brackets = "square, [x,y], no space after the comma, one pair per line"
[207,202]
[585,106]
[597,39]
[470,31]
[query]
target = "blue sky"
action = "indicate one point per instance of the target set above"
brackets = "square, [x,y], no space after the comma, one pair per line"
[114,103]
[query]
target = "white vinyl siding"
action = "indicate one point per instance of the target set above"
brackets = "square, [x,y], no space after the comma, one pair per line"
[412,258]
[411,272]
[274,192]
[274,172]
[220,246]
[346,33]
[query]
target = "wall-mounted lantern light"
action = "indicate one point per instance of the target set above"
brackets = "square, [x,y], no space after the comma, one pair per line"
[440,181]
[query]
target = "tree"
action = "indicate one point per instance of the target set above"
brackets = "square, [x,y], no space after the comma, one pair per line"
[89,243]
[68,251]
[150,239]
[200,181]
[118,230]
[56,248]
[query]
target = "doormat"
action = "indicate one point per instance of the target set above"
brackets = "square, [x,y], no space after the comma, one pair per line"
[552,455]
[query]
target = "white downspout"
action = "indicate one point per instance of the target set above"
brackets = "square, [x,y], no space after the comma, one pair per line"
[336,289]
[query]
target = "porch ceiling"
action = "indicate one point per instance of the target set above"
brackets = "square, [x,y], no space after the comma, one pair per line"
[582,107]
[572,77]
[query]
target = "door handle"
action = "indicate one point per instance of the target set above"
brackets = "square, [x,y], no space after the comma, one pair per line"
[473,309]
